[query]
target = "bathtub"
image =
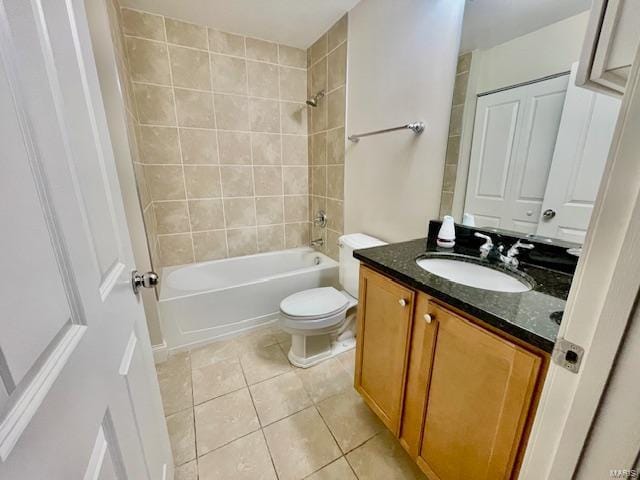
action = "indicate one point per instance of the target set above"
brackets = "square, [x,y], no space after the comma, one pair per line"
[211,300]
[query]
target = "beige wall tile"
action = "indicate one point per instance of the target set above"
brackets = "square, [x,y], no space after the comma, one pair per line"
[154,104]
[263,79]
[464,63]
[175,249]
[336,107]
[293,57]
[165,182]
[335,215]
[194,109]
[237,181]
[293,84]
[319,116]
[453,150]
[269,210]
[228,43]
[158,145]
[242,241]
[460,88]
[296,208]
[187,34]
[293,117]
[202,181]
[232,112]
[338,33]
[319,77]
[296,235]
[337,67]
[335,146]
[229,74]
[261,50]
[244,459]
[295,180]
[319,149]
[319,181]
[142,184]
[148,61]
[190,68]
[209,245]
[264,115]
[206,214]
[449,180]
[294,150]
[235,148]
[142,24]
[319,49]
[335,181]
[268,180]
[318,203]
[455,123]
[199,146]
[266,149]
[172,217]
[270,238]
[239,212]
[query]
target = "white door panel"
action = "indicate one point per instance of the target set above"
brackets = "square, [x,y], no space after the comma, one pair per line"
[514,137]
[69,312]
[584,139]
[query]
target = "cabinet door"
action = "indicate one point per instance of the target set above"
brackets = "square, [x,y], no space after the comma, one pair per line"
[480,395]
[384,318]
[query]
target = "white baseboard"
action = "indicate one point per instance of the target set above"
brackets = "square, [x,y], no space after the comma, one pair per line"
[160,352]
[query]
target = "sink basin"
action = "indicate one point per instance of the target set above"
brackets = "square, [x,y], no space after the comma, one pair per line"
[467,271]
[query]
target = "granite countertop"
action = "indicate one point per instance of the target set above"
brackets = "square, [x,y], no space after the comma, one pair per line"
[524,315]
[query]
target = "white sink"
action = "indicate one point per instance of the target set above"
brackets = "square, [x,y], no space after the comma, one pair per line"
[473,275]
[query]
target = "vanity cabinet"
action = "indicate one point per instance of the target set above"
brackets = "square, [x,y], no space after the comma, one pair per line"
[459,396]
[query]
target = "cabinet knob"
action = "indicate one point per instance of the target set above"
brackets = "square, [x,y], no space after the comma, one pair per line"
[402,302]
[427,318]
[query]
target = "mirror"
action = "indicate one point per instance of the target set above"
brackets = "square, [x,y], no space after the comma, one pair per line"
[526,147]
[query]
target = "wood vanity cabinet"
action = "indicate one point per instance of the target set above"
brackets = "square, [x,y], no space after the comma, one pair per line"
[459,396]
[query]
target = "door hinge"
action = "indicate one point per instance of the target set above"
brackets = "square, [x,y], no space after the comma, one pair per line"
[568,355]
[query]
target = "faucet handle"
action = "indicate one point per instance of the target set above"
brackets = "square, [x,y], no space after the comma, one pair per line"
[515,248]
[487,246]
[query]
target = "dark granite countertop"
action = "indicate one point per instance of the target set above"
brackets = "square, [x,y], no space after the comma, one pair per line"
[524,315]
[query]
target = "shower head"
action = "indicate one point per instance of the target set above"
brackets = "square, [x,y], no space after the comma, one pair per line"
[313,101]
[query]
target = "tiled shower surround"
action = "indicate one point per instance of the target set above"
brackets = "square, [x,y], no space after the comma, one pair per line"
[222,133]
[327,72]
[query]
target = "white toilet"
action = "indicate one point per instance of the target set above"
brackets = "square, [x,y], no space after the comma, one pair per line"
[319,319]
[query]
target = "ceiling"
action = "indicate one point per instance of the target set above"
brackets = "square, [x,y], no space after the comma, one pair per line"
[491,22]
[297,23]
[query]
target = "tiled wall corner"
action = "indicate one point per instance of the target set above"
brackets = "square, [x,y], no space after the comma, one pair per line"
[455,129]
[327,59]
[222,138]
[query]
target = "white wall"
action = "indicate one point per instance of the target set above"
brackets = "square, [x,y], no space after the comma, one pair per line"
[401,67]
[544,52]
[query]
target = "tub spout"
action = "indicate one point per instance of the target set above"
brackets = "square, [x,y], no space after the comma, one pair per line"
[318,242]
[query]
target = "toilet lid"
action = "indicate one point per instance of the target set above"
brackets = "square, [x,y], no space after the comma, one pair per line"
[315,302]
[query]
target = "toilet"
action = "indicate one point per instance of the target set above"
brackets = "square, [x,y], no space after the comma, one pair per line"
[321,321]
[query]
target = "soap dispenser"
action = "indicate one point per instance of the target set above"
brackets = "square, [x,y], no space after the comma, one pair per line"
[447,233]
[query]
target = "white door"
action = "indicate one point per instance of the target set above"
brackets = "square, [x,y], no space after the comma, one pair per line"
[78,394]
[584,139]
[514,137]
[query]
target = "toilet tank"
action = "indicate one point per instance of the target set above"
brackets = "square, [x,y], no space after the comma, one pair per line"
[349,266]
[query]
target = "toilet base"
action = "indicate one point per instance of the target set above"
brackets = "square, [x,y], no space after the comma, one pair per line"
[307,351]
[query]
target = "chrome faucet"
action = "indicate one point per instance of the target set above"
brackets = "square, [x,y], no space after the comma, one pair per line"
[318,242]
[510,260]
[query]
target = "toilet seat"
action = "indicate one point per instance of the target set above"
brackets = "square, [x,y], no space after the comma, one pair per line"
[314,309]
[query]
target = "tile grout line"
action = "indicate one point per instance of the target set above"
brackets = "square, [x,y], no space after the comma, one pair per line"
[253,175]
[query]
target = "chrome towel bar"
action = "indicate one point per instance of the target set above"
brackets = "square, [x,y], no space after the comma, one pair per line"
[416,127]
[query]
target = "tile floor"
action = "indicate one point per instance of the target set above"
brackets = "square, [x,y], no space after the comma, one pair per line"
[237,409]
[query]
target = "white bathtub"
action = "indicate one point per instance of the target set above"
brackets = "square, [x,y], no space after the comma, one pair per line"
[209,300]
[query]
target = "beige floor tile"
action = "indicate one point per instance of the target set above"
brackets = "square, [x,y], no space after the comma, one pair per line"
[338,470]
[281,335]
[216,379]
[382,458]
[244,459]
[348,361]
[263,363]
[257,339]
[349,419]
[279,397]
[214,352]
[223,419]
[325,379]
[182,436]
[174,377]
[300,444]
[188,471]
